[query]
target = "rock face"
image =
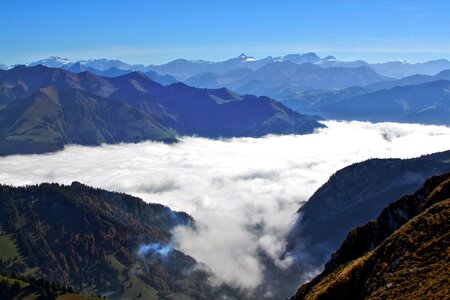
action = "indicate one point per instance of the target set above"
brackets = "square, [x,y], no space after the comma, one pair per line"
[403,254]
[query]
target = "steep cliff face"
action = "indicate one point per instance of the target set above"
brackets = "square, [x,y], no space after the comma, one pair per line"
[404,254]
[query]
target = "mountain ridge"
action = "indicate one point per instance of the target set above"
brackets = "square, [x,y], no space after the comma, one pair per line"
[425,103]
[403,254]
[99,242]
[351,197]
[127,108]
[189,68]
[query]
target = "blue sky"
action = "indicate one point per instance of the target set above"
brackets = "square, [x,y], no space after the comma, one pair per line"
[150,31]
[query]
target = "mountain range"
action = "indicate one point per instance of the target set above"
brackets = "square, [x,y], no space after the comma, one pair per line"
[313,100]
[183,68]
[42,109]
[409,80]
[414,99]
[390,243]
[284,76]
[348,93]
[426,103]
[403,254]
[306,83]
[114,72]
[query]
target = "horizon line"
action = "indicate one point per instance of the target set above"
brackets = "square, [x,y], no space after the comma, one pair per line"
[127,61]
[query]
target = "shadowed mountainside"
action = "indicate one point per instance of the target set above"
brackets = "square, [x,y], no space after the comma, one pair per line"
[403,254]
[279,78]
[409,80]
[42,109]
[357,194]
[351,197]
[416,99]
[426,103]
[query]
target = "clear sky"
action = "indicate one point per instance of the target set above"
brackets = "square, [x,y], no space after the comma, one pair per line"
[156,31]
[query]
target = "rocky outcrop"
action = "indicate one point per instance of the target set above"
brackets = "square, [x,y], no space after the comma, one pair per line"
[404,254]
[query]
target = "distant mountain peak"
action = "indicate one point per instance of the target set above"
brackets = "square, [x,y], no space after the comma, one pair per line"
[245,58]
[310,54]
[19,67]
[52,61]
[58,58]
[302,58]
[100,60]
[330,58]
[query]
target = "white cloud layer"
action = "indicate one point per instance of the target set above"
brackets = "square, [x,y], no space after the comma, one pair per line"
[243,192]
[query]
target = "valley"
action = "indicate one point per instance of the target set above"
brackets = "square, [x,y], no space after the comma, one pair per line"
[230,150]
[229,185]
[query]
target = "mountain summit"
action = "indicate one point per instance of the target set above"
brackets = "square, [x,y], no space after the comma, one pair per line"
[52,61]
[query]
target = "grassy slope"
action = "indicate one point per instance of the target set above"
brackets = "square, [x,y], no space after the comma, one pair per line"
[135,287]
[412,263]
[32,293]
[8,246]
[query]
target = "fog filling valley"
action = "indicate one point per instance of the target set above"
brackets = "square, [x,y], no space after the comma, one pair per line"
[231,187]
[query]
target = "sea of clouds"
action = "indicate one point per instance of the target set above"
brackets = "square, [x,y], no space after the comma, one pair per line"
[242,192]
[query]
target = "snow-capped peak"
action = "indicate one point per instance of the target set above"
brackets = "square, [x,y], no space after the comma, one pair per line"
[244,58]
[52,61]
[57,60]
